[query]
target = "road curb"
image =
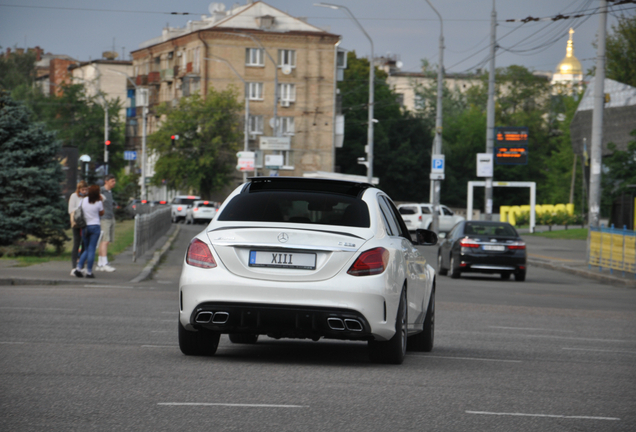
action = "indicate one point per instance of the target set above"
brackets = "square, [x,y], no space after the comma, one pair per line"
[25,281]
[152,264]
[585,273]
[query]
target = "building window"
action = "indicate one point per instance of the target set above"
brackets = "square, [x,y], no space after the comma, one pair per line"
[256,125]
[287,58]
[254,57]
[419,102]
[287,92]
[287,125]
[255,91]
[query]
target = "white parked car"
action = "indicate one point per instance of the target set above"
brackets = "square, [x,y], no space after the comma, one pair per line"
[180,205]
[201,212]
[420,216]
[308,258]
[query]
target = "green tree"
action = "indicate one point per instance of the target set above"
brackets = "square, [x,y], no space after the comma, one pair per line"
[620,52]
[17,70]
[78,120]
[203,159]
[620,175]
[30,178]
[402,142]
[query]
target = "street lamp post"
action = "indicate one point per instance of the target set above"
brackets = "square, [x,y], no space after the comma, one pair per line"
[138,91]
[437,145]
[369,162]
[247,104]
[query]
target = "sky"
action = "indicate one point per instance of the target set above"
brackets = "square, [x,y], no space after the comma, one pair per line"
[406,29]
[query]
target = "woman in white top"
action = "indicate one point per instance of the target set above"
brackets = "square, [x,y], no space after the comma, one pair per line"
[93,208]
[73,203]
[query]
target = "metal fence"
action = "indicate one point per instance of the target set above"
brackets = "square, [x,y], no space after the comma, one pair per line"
[149,228]
[612,248]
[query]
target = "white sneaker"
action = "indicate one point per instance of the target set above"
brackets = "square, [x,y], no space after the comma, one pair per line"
[73,272]
[98,268]
[108,268]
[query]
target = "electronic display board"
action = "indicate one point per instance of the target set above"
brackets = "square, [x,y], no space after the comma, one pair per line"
[511,145]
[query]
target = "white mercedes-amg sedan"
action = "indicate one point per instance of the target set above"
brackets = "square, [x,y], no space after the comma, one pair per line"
[310,258]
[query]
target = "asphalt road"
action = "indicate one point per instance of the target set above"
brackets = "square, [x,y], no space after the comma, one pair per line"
[554,353]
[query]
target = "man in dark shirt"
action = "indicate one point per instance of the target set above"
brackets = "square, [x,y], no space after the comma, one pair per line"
[107,223]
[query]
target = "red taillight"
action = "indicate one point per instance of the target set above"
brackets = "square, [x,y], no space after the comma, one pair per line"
[162,202]
[134,207]
[468,243]
[205,202]
[371,262]
[419,218]
[199,255]
[195,209]
[179,208]
[516,245]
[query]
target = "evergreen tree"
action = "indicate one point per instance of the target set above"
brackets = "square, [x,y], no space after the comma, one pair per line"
[30,176]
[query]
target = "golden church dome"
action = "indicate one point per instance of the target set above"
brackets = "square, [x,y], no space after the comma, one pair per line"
[570,64]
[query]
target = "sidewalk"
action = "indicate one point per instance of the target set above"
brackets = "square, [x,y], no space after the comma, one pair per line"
[58,272]
[570,256]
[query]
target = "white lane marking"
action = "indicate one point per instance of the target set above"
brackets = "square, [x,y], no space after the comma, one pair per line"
[544,415]
[599,350]
[36,308]
[165,282]
[532,329]
[230,405]
[108,286]
[160,346]
[161,331]
[465,358]
[13,343]
[576,338]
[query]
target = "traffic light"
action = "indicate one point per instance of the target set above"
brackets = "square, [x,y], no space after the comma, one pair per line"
[107,142]
[174,138]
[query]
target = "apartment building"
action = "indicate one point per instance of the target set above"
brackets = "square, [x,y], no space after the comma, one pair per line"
[264,46]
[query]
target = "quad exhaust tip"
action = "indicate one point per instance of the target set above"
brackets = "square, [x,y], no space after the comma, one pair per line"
[203,317]
[220,318]
[206,317]
[346,324]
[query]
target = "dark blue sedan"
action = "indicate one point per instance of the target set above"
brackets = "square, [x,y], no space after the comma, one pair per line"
[483,247]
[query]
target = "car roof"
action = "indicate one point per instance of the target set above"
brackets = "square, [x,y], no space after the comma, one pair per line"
[303,184]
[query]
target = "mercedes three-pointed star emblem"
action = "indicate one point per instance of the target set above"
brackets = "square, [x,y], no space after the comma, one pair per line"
[283,237]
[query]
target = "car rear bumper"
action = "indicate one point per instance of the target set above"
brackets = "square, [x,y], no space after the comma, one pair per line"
[288,309]
[491,263]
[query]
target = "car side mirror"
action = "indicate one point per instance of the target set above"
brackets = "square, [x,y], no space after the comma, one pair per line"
[426,237]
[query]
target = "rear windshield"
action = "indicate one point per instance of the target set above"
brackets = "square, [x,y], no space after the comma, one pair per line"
[183,200]
[209,204]
[407,210]
[297,207]
[490,229]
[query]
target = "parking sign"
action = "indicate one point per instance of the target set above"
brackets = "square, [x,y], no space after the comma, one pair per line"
[437,164]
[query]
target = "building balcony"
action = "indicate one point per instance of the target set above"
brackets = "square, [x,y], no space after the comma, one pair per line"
[167,74]
[154,78]
[141,80]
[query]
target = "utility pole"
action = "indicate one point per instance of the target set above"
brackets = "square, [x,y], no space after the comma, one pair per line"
[596,153]
[490,108]
[437,146]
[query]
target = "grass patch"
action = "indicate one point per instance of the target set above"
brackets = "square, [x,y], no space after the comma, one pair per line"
[124,236]
[568,234]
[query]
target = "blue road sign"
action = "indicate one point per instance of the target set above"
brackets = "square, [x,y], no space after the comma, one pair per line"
[130,155]
[437,164]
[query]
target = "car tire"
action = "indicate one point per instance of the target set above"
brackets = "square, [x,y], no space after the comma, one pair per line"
[393,350]
[454,271]
[440,269]
[243,338]
[505,276]
[520,276]
[423,342]
[202,342]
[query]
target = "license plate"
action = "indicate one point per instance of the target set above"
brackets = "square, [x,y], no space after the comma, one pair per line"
[294,260]
[408,222]
[494,248]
